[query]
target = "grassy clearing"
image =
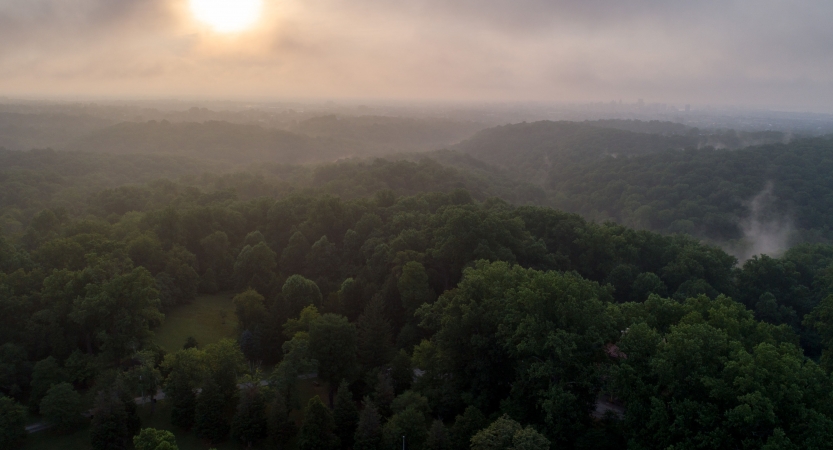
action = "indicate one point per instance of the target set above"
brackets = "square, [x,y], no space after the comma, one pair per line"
[201,319]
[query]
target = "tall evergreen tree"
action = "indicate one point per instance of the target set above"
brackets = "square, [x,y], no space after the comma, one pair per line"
[210,420]
[332,341]
[317,430]
[109,429]
[375,335]
[345,415]
[368,434]
[249,424]
[384,393]
[437,437]
[281,428]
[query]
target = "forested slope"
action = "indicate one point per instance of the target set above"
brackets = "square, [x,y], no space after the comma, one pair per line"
[505,310]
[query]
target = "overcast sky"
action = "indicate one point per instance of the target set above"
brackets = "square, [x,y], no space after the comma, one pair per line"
[770,53]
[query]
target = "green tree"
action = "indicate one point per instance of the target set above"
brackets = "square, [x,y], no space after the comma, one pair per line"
[821,320]
[413,287]
[375,335]
[249,424]
[317,431]
[186,369]
[345,415]
[210,414]
[61,407]
[332,341]
[110,427]
[298,293]
[465,426]
[250,308]
[152,439]
[410,423]
[255,267]
[45,374]
[12,423]
[281,428]
[506,434]
[294,256]
[437,437]
[119,312]
[368,434]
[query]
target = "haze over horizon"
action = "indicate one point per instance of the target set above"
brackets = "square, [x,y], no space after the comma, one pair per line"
[757,54]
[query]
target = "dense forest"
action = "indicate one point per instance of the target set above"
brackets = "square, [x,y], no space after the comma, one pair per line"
[424,305]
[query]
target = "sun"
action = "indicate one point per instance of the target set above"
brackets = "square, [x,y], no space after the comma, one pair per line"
[227,16]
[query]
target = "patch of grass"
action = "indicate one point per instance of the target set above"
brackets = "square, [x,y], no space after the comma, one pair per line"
[201,319]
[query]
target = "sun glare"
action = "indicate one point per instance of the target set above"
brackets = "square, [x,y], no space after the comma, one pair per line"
[227,16]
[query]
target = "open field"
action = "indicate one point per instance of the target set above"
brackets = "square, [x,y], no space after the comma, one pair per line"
[201,319]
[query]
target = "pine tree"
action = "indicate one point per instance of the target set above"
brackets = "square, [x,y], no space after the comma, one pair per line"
[375,336]
[345,415]
[368,434]
[384,393]
[317,430]
[249,423]
[210,420]
[437,437]
[109,429]
[180,393]
[281,428]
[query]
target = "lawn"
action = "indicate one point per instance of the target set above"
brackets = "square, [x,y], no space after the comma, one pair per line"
[201,319]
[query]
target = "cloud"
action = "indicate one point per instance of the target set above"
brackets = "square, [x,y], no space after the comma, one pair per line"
[763,52]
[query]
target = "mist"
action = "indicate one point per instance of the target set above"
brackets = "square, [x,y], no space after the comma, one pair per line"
[765,231]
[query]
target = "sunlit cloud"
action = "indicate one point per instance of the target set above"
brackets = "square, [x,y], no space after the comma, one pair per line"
[762,52]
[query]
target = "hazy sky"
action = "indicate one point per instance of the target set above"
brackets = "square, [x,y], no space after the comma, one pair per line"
[776,53]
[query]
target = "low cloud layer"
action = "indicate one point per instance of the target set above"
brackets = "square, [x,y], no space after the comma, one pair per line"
[747,52]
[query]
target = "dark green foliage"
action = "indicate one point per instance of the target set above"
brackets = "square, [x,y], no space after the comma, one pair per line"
[375,337]
[280,427]
[62,407]
[190,342]
[437,437]
[255,268]
[401,372]
[110,428]
[332,341]
[345,416]
[369,429]
[12,423]
[294,256]
[45,374]
[210,418]
[465,426]
[384,394]
[298,293]
[410,423]
[249,424]
[180,393]
[317,432]
[506,434]
[152,439]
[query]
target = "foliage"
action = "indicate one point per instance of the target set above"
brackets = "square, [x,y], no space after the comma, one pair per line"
[317,432]
[12,423]
[152,439]
[210,417]
[249,424]
[62,407]
[345,416]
